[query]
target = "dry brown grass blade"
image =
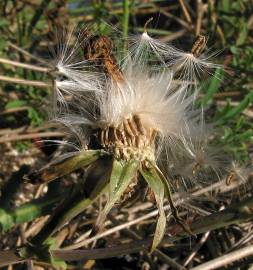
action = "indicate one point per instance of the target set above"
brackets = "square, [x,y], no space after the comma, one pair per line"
[226,259]
[9,257]
[25,82]
[20,137]
[23,65]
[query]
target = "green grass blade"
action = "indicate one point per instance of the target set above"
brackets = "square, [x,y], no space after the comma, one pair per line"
[213,87]
[157,186]
[235,111]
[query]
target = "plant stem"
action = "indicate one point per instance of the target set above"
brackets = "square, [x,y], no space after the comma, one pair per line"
[23,81]
[23,65]
[27,212]
[125,21]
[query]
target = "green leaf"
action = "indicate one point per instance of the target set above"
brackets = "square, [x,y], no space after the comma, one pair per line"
[15,104]
[76,207]
[56,263]
[3,44]
[235,111]
[157,186]
[213,86]
[117,169]
[243,33]
[6,220]
[27,212]
[34,116]
[122,174]
[66,165]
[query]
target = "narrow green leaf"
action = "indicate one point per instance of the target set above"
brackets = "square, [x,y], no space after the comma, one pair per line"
[27,212]
[58,264]
[34,116]
[15,104]
[213,86]
[65,166]
[6,220]
[101,168]
[117,168]
[243,33]
[233,112]
[157,186]
[122,174]
[81,205]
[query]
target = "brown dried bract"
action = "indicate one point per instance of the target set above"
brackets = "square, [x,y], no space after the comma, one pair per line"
[198,45]
[130,138]
[99,48]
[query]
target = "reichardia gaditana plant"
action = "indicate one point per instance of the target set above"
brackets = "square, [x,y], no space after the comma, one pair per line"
[137,114]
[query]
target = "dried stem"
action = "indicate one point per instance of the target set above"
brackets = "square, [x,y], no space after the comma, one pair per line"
[4,139]
[25,82]
[185,11]
[196,248]
[218,186]
[26,66]
[200,13]
[26,53]
[226,259]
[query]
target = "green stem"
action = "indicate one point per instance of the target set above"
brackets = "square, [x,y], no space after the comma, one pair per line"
[27,212]
[125,21]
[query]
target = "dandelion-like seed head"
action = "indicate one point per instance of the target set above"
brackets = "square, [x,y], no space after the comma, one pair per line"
[139,112]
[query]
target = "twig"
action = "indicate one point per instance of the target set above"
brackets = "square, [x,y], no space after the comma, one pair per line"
[20,137]
[26,66]
[196,248]
[185,11]
[174,36]
[226,259]
[22,129]
[132,234]
[23,81]
[200,13]
[9,257]
[169,261]
[110,231]
[101,253]
[14,110]
[34,228]
[173,17]
[242,241]
[137,220]
[233,214]
[31,56]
